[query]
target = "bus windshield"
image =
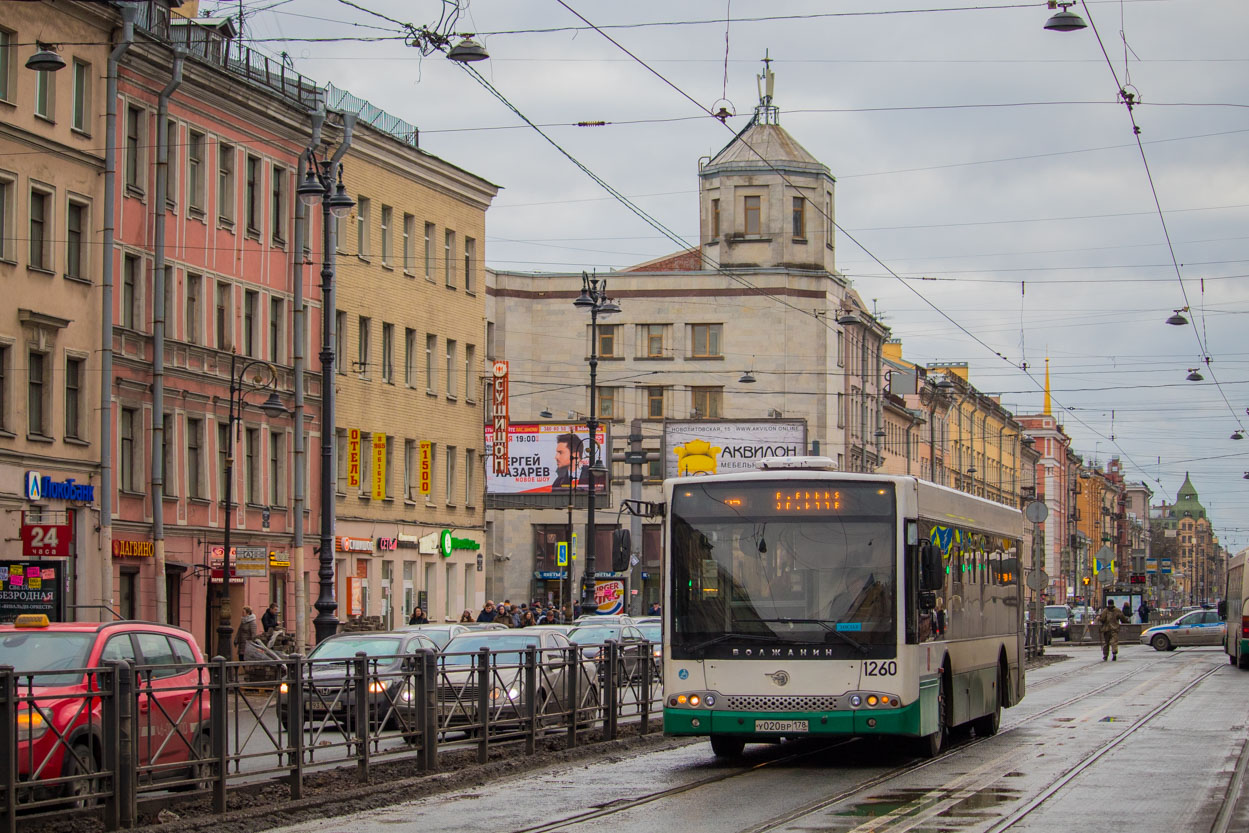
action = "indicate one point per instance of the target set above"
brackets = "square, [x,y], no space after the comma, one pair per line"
[806,567]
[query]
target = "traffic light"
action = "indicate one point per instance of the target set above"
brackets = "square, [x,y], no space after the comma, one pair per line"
[1086,580]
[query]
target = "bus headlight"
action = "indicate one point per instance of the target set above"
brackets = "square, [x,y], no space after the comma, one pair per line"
[856,700]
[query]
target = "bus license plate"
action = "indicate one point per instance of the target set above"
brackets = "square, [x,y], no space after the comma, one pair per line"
[780,725]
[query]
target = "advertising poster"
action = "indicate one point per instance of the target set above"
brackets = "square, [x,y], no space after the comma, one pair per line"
[353,458]
[699,447]
[379,466]
[609,597]
[544,458]
[31,587]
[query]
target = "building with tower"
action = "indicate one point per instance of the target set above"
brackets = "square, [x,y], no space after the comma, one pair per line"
[1195,569]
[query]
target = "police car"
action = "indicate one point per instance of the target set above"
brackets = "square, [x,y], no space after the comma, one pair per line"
[1200,627]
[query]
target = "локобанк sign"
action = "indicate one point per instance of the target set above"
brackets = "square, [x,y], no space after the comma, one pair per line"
[699,447]
[42,487]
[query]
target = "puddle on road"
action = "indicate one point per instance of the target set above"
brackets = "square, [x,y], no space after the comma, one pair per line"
[905,803]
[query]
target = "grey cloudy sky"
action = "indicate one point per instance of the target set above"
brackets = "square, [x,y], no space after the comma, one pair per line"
[987,174]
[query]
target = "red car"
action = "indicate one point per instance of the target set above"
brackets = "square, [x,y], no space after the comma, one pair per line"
[59,725]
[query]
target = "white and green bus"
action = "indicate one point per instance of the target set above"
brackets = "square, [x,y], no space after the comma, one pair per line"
[1236,600]
[800,600]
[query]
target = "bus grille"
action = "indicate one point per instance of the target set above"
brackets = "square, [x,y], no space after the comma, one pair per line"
[780,704]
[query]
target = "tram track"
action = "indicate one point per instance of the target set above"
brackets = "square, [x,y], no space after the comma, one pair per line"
[625,805]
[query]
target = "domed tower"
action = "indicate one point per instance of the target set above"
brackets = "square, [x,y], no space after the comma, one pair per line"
[765,202]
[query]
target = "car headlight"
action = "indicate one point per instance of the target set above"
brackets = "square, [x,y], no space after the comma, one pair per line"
[510,694]
[32,723]
[283,688]
[377,687]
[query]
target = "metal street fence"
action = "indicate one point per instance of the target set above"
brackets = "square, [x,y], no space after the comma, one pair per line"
[105,740]
[1034,638]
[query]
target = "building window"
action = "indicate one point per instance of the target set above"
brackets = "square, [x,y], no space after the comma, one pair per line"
[828,220]
[362,347]
[224,317]
[470,383]
[470,477]
[134,149]
[388,353]
[752,215]
[277,456]
[128,462]
[431,345]
[470,263]
[250,299]
[366,463]
[705,341]
[36,394]
[130,276]
[171,173]
[409,356]
[429,251]
[607,402]
[655,403]
[194,286]
[340,448]
[224,451]
[73,398]
[277,219]
[451,351]
[708,402]
[340,340]
[409,243]
[194,457]
[609,341]
[81,118]
[409,469]
[251,196]
[363,212]
[715,219]
[225,183]
[651,341]
[8,188]
[167,468]
[6,65]
[800,217]
[277,328]
[251,463]
[195,170]
[5,373]
[45,95]
[448,257]
[40,230]
[449,492]
[388,217]
[75,251]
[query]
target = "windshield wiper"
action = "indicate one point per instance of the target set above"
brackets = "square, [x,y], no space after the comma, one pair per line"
[758,637]
[853,643]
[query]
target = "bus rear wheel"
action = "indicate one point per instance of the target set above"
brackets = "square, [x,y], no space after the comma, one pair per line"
[930,746]
[727,746]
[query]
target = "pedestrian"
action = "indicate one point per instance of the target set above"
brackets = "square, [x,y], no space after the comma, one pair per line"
[517,615]
[487,613]
[246,632]
[576,610]
[1108,622]
[938,618]
[527,620]
[466,616]
[269,621]
[418,617]
[1127,609]
[1143,611]
[654,609]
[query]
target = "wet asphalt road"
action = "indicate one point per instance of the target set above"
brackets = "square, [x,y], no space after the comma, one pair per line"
[1148,744]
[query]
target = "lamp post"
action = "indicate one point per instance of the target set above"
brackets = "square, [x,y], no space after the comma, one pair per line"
[319,187]
[594,298]
[264,378]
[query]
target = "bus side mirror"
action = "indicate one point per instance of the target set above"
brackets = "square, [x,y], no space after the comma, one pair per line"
[932,572]
[621,550]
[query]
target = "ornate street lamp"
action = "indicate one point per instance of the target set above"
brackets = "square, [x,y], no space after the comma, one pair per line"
[254,377]
[594,298]
[319,187]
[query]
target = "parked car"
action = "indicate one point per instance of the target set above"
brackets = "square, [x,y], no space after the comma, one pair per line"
[633,643]
[443,633]
[1060,621]
[507,698]
[606,619]
[654,633]
[59,729]
[329,695]
[1199,627]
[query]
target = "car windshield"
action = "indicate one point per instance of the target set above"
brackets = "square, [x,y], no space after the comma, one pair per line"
[373,646]
[591,635]
[31,651]
[459,651]
[1056,612]
[653,632]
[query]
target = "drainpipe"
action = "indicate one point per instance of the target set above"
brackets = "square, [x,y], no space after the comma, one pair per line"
[128,14]
[158,336]
[299,338]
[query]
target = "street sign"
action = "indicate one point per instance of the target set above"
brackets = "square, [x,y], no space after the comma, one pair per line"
[47,534]
[1038,580]
[251,562]
[1036,512]
[561,554]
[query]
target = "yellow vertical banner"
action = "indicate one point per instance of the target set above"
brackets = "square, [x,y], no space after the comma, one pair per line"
[426,474]
[379,466]
[353,458]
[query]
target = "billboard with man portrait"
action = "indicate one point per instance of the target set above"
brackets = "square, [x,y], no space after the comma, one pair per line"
[545,458]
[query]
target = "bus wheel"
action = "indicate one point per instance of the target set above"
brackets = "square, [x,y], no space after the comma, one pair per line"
[930,746]
[988,724]
[727,746]
[1243,662]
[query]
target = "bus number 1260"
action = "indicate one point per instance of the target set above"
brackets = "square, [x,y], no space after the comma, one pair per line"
[874,668]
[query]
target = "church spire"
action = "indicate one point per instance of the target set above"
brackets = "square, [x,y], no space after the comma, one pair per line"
[766,112]
[1047,409]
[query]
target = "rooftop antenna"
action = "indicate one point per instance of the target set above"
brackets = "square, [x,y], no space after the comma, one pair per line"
[766,112]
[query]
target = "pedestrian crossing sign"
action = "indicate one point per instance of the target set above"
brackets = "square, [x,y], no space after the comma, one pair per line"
[561,554]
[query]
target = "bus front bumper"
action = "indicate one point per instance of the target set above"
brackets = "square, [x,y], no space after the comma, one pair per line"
[904,720]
